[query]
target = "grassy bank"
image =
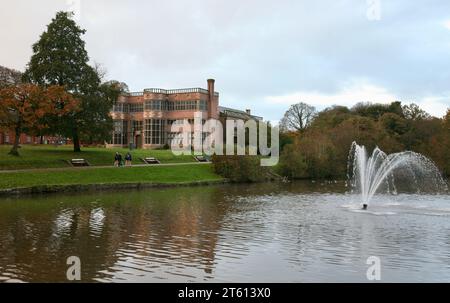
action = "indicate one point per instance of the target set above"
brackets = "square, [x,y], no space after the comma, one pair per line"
[154,174]
[48,156]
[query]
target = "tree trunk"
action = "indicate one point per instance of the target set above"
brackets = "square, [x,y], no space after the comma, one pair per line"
[76,141]
[15,149]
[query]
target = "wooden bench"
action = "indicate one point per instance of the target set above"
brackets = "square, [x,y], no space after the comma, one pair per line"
[79,162]
[201,159]
[151,161]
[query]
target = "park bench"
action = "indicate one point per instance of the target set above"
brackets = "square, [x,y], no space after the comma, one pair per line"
[79,162]
[151,160]
[202,159]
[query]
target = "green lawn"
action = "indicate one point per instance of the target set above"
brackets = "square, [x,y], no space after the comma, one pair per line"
[70,176]
[49,156]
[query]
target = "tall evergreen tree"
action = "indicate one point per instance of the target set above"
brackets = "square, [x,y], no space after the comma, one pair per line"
[60,58]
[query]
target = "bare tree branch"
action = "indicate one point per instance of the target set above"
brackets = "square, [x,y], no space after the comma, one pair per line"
[298,117]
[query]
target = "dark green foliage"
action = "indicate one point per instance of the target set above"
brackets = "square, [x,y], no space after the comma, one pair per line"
[60,58]
[293,163]
[394,124]
[285,139]
[375,111]
[331,116]
[240,168]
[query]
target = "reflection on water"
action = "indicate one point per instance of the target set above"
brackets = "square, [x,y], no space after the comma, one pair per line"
[299,232]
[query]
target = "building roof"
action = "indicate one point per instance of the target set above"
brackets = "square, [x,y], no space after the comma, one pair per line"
[239,114]
[172,91]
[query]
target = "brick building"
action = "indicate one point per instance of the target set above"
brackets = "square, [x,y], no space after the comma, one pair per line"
[145,118]
[7,138]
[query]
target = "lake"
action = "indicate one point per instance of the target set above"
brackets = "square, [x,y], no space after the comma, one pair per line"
[295,232]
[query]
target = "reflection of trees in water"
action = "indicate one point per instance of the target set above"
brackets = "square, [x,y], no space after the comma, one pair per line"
[38,235]
[165,232]
[173,226]
[176,227]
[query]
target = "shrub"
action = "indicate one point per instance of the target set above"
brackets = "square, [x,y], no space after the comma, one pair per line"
[292,163]
[240,168]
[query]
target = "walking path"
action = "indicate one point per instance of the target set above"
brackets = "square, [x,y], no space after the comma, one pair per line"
[93,167]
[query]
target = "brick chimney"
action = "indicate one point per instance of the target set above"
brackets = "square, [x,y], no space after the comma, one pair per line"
[213,108]
[211,88]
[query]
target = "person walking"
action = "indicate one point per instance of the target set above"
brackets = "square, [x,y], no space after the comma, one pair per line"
[117,160]
[128,159]
[120,160]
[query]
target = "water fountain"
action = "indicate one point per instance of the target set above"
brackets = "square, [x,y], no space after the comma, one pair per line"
[380,172]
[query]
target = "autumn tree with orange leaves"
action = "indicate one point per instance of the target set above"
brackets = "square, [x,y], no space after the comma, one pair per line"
[23,108]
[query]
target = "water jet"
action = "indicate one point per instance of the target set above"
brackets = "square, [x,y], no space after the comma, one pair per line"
[380,172]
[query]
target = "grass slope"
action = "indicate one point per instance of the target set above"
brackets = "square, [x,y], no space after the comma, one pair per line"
[153,174]
[48,156]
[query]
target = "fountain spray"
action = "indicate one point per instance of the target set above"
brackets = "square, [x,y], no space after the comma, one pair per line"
[370,175]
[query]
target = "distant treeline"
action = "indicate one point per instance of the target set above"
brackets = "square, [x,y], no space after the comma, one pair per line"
[319,148]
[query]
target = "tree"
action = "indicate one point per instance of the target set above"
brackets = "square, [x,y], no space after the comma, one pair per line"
[319,154]
[446,145]
[117,86]
[241,168]
[298,117]
[435,142]
[60,58]
[292,162]
[414,112]
[447,121]
[97,114]
[376,110]
[9,77]
[331,117]
[393,124]
[396,108]
[321,149]
[23,106]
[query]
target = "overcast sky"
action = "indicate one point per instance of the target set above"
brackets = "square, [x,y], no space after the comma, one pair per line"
[264,54]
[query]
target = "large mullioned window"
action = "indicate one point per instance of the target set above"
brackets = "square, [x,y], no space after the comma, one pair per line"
[202,105]
[136,107]
[156,105]
[120,132]
[137,126]
[120,108]
[161,105]
[155,133]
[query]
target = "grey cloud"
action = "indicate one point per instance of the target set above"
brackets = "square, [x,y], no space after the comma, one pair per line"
[253,48]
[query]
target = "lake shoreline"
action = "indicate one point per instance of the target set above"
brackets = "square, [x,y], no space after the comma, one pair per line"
[76,188]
